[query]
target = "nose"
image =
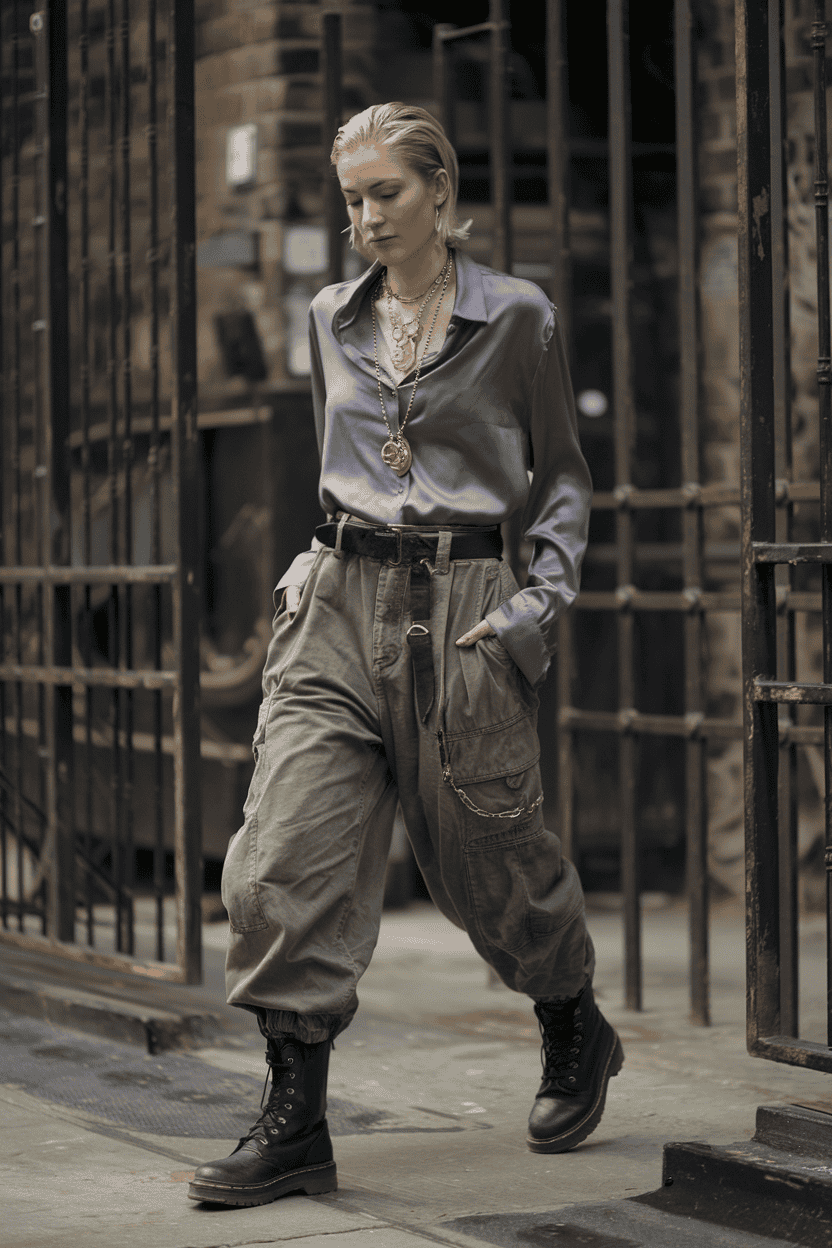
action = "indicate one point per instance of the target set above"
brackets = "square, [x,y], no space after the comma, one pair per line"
[370,215]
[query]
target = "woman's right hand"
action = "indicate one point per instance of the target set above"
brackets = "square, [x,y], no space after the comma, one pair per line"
[293,593]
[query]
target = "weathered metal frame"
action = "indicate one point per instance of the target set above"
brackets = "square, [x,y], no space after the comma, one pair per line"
[60,684]
[770,816]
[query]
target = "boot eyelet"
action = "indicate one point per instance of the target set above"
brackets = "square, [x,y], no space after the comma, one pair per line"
[273,1131]
[288,1105]
[572,1079]
[290,1060]
[283,1120]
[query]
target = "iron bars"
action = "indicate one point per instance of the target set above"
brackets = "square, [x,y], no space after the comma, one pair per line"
[99,486]
[626,504]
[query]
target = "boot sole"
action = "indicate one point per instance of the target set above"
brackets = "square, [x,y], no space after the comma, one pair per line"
[568,1139]
[306,1181]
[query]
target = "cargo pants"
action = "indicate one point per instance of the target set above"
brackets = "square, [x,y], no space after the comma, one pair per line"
[339,742]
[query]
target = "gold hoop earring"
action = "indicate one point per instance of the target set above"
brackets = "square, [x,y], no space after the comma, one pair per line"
[438,222]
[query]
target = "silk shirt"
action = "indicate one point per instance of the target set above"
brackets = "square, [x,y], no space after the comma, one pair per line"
[492,429]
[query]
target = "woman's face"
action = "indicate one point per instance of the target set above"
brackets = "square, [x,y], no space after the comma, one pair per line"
[392,209]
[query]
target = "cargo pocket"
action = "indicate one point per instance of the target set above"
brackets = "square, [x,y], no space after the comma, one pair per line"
[239,880]
[494,774]
[512,881]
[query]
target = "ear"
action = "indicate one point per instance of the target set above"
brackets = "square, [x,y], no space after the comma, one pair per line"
[441,187]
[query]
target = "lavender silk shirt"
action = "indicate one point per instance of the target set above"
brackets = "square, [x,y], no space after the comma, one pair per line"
[492,430]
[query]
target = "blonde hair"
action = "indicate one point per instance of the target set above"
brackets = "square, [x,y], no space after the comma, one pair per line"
[421,142]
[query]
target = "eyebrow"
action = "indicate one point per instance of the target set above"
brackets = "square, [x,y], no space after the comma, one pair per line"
[350,190]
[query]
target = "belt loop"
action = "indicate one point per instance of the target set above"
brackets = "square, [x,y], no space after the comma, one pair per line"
[443,553]
[339,553]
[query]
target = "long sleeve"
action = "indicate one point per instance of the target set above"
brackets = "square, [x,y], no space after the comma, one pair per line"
[555,519]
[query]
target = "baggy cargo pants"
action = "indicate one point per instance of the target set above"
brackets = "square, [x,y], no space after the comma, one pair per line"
[339,741]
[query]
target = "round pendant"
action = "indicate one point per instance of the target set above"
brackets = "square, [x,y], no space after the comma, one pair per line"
[397,455]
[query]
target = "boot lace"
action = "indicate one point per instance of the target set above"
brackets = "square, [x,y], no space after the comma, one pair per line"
[562,1030]
[274,1109]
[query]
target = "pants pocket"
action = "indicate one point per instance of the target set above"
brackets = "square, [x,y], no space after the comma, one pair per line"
[512,883]
[239,880]
[495,774]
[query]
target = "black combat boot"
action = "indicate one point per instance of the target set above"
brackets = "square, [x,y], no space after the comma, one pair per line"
[288,1149]
[581,1052]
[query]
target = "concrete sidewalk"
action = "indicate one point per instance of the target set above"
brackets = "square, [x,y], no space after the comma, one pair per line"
[430,1092]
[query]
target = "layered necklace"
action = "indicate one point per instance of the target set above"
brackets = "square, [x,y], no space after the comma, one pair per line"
[396,451]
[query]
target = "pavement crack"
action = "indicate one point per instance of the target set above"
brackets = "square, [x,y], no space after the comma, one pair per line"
[252,1243]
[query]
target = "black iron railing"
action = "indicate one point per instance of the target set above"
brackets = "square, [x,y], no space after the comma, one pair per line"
[100,542]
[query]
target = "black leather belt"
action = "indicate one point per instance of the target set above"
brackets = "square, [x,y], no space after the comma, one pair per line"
[395,546]
[402,546]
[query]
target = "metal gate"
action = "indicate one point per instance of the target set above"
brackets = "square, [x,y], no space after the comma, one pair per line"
[99,473]
[784,571]
[677,559]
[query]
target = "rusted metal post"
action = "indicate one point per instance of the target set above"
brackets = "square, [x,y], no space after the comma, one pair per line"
[5,751]
[502,180]
[154,451]
[558,176]
[696,830]
[758,518]
[784,517]
[127,849]
[621,240]
[332,75]
[819,36]
[443,86]
[186,475]
[558,161]
[48,29]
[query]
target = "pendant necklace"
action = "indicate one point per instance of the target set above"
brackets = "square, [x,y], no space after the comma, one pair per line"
[405,326]
[396,451]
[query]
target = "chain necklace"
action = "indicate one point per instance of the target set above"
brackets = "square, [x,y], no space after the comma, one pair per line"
[405,329]
[396,451]
[416,298]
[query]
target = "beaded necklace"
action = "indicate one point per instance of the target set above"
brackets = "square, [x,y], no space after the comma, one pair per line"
[396,451]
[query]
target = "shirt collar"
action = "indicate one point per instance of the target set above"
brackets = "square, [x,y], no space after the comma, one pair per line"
[469,304]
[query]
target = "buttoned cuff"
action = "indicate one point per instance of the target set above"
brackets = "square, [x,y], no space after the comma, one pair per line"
[518,632]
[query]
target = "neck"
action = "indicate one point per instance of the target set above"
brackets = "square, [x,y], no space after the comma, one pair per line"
[418,270]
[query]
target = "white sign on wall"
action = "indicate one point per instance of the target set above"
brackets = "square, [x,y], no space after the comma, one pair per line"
[241,155]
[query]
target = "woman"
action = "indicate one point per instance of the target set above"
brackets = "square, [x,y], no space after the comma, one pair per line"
[404,659]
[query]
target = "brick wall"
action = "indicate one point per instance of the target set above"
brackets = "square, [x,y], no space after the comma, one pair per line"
[259,63]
